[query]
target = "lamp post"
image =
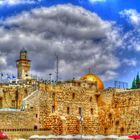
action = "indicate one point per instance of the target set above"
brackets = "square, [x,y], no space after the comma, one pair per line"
[38,111]
[81,122]
[1,76]
[50,77]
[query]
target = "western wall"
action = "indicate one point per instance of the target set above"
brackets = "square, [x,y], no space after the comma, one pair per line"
[119,112]
[56,108]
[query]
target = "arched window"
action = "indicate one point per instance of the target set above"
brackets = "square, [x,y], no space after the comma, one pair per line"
[91,110]
[73,95]
[0,102]
[53,109]
[53,95]
[90,99]
[68,110]
[80,110]
[117,123]
[121,130]
[97,97]
[110,116]
[35,127]
[13,103]
[17,97]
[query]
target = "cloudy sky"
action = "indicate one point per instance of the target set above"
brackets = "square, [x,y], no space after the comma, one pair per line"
[103,35]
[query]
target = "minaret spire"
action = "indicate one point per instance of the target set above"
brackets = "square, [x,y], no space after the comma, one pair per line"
[23,65]
[89,70]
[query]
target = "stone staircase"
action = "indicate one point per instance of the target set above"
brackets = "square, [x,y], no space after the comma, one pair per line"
[30,99]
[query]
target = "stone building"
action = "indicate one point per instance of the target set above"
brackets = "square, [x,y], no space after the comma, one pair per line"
[70,107]
[23,66]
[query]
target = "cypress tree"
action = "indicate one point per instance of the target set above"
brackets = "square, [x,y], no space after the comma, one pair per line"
[137,78]
[137,81]
[134,84]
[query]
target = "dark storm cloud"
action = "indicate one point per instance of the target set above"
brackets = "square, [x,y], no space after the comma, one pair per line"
[80,38]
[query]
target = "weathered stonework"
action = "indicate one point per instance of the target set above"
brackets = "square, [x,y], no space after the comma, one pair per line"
[11,96]
[59,107]
[16,120]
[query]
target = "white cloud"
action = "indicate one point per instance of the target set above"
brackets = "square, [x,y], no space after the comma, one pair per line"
[131,39]
[3,61]
[95,1]
[109,74]
[132,16]
[15,2]
[130,62]
[81,40]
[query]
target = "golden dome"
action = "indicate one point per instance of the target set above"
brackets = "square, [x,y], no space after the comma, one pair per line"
[93,78]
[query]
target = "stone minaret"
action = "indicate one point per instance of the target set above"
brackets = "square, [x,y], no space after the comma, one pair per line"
[23,66]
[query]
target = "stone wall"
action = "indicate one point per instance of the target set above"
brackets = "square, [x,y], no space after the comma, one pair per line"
[11,96]
[25,134]
[61,105]
[17,120]
[59,108]
[120,112]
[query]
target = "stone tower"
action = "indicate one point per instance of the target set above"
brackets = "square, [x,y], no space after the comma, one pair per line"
[23,65]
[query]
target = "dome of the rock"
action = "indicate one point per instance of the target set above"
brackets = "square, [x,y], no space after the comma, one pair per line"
[93,78]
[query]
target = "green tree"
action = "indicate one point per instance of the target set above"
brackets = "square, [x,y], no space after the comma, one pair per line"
[134,84]
[137,78]
[137,81]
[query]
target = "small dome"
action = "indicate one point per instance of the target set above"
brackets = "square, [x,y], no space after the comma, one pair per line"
[93,78]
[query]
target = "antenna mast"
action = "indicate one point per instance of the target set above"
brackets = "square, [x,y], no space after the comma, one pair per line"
[57,68]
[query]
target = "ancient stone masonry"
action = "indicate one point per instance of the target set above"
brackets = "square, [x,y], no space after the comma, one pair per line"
[12,96]
[120,115]
[58,105]
[16,120]
[63,107]
[58,108]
